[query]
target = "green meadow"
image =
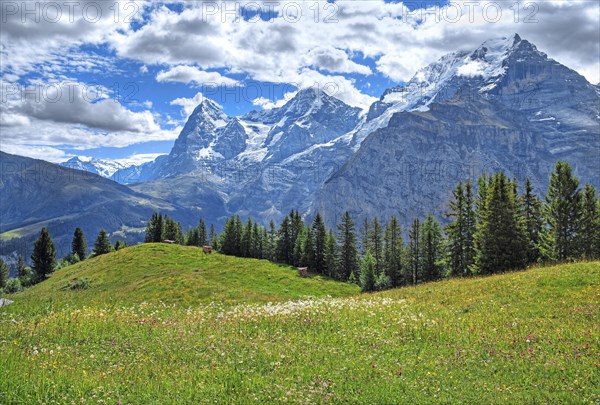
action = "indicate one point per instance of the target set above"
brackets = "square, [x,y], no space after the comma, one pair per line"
[167,324]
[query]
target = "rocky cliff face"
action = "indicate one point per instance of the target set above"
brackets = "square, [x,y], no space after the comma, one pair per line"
[505,106]
[262,164]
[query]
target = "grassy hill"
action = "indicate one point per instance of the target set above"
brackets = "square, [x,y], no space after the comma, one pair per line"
[526,337]
[179,274]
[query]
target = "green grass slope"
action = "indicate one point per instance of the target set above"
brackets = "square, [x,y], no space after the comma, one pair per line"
[178,274]
[530,337]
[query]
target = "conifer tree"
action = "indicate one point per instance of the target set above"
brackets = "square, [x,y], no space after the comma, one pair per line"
[296,226]
[21,269]
[102,244]
[589,227]
[284,242]
[500,240]
[238,226]
[348,256]
[431,250]
[470,218]
[193,237]
[456,233]
[246,241]
[298,258]
[393,252]
[265,246]
[320,244]
[376,245]
[79,245]
[256,242]
[158,229]
[172,231]
[531,211]
[365,236]
[202,239]
[44,255]
[272,242]
[4,273]
[367,273]
[331,253]
[154,229]
[214,238]
[227,244]
[308,249]
[414,250]
[561,212]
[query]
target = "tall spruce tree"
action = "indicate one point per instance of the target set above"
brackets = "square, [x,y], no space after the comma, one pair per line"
[265,245]
[79,245]
[102,244]
[284,242]
[367,273]
[308,249]
[320,244]
[470,217]
[365,236]
[348,256]
[193,237]
[272,242]
[246,241]
[460,250]
[296,226]
[149,237]
[238,226]
[202,236]
[376,245]
[3,275]
[43,256]
[531,211]
[561,212]
[227,244]
[172,231]
[589,226]
[331,255]
[431,250]
[393,252]
[500,240]
[298,257]
[414,250]
[214,238]
[21,269]
[158,229]
[256,242]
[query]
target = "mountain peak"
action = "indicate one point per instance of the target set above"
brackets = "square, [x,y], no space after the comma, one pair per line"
[207,106]
[209,112]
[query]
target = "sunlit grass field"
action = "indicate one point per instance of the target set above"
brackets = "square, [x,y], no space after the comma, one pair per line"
[168,325]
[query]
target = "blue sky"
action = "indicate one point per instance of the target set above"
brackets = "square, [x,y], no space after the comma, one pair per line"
[118,81]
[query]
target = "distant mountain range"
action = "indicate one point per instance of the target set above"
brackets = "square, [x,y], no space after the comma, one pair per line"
[35,193]
[503,106]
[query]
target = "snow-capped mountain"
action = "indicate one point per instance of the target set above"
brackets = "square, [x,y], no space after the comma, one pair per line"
[211,137]
[102,167]
[258,163]
[502,106]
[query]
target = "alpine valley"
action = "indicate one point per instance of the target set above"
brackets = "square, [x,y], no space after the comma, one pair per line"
[503,106]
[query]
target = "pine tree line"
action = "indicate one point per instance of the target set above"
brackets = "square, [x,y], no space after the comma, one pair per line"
[492,229]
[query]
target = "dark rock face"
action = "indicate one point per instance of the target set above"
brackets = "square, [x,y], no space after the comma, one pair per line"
[520,115]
